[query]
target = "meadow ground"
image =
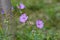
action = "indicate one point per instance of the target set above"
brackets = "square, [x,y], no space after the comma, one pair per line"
[46,10]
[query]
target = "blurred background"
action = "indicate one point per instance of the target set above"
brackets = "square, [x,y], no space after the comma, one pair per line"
[46,10]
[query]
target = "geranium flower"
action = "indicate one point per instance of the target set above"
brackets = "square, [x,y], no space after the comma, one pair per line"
[21,6]
[39,23]
[2,11]
[23,18]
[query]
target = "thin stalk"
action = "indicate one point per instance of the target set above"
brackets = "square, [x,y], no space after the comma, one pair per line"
[8,22]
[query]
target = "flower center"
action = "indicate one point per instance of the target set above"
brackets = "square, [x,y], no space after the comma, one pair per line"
[38,23]
[23,17]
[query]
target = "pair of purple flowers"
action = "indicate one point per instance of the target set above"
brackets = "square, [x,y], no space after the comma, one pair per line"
[23,18]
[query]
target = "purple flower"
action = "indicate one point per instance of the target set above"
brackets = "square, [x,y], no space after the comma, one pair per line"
[39,23]
[2,12]
[23,18]
[21,6]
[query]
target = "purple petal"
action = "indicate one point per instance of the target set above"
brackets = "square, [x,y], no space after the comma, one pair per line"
[39,23]
[23,18]
[23,15]
[2,12]
[22,6]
